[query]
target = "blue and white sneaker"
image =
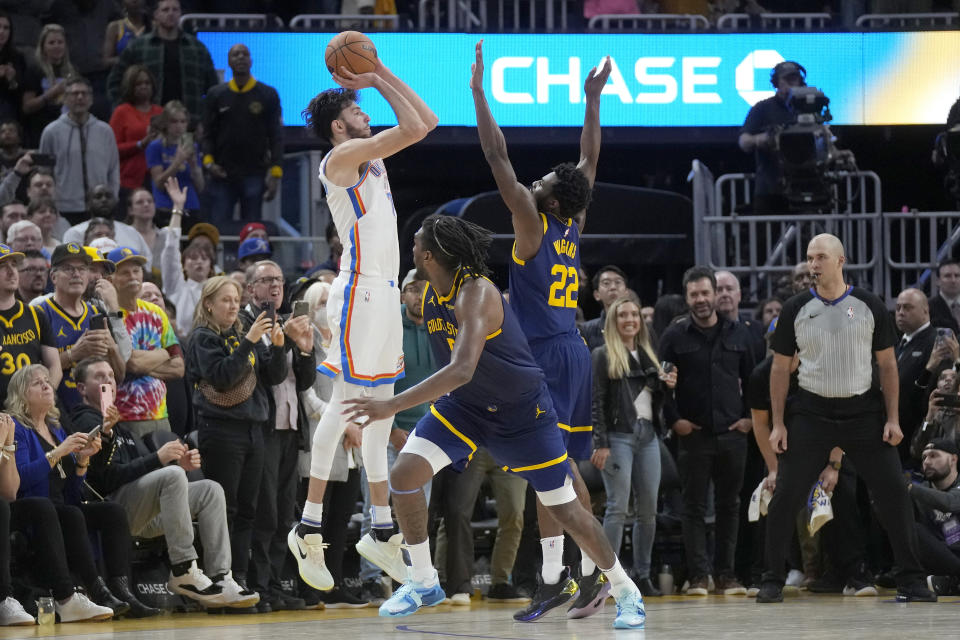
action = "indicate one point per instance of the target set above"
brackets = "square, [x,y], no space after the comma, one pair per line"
[410,597]
[630,611]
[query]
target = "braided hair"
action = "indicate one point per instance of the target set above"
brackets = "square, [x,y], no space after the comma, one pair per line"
[457,243]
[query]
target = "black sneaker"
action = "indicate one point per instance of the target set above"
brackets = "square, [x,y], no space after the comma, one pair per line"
[373,592]
[943,585]
[916,592]
[886,580]
[593,596]
[770,592]
[505,592]
[828,583]
[282,601]
[548,596]
[339,598]
[647,590]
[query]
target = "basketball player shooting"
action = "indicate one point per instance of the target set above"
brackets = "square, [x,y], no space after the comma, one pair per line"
[548,217]
[365,356]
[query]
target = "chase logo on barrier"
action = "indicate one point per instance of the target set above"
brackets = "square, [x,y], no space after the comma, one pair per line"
[676,80]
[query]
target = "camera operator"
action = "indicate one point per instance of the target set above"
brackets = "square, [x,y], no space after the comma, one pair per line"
[938,506]
[758,135]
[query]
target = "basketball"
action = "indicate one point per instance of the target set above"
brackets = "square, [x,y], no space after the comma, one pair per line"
[353,50]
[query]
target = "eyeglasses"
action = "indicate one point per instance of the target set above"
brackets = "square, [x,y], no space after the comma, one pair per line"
[76,270]
[269,280]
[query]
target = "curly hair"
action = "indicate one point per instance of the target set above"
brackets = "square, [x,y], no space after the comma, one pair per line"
[129,83]
[456,243]
[572,190]
[325,108]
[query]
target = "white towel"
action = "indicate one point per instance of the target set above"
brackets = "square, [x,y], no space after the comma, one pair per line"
[819,507]
[759,502]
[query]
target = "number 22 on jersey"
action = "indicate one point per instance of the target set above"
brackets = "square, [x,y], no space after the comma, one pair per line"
[563,290]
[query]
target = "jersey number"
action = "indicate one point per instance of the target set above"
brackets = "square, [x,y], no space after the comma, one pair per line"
[9,365]
[562,294]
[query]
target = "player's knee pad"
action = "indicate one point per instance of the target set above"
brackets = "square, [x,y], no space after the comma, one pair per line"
[427,450]
[558,496]
[376,437]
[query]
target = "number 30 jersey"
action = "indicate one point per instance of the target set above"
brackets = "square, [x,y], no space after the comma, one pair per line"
[543,289]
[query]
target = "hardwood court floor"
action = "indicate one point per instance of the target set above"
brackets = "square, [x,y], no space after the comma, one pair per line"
[709,618]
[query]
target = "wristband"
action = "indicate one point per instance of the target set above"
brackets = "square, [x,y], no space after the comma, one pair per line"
[276,172]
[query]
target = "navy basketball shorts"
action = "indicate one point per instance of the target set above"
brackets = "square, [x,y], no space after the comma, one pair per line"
[566,365]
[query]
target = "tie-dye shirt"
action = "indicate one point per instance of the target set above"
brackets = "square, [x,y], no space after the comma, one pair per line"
[145,397]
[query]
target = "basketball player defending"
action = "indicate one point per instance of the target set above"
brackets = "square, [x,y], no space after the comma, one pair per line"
[490,393]
[365,356]
[544,281]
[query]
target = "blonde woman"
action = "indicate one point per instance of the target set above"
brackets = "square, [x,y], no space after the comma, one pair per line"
[230,374]
[45,82]
[174,155]
[53,465]
[628,391]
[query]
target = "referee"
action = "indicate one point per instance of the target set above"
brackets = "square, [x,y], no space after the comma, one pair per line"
[837,329]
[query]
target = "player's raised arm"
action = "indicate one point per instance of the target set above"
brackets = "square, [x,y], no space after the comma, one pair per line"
[590,135]
[409,130]
[526,220]
[426,114]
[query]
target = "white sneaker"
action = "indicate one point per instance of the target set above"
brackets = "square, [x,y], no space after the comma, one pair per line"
[460,599]
[386,555]
[308,550]
[78,608]
[794,579]
[194,584]
[234,595]
[13,615]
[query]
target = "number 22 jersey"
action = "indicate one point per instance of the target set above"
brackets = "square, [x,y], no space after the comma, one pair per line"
[544,288]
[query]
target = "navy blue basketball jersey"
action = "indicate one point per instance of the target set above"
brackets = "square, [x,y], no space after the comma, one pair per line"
[506,372]
[543,289]
[23,333]
[67,330]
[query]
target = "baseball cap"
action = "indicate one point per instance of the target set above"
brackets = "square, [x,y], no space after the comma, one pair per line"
[69,251]
[6,253]
[97,258]
[204,229]
[947,445]
[410,277]
[122,254]
[249,228]
[254,247]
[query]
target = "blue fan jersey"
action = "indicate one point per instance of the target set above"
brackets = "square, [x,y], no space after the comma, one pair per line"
[543,289]
[506,372]
[66,332]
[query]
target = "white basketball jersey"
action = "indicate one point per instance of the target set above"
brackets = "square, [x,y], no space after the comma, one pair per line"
[366,221]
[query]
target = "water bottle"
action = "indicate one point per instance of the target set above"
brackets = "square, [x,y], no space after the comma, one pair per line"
[665,580]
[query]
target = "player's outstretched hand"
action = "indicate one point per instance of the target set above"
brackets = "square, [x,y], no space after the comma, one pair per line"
[365,410]
[349,80]
[596,81]
[476,69]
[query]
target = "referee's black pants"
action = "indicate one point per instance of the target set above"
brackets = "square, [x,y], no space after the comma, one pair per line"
[814,426]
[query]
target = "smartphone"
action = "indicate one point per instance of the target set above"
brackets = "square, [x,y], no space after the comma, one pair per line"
[667,367]
[948,399]
[301,308]
[94,432]
[269,308]
[106,397]
[43,159]
[187,140]
[98,322]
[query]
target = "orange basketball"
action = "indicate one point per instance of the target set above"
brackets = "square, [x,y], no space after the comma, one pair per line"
[353,50]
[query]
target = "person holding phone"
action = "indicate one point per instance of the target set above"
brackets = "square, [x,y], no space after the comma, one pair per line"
[78,326]
[282,437]
[230,373]
[53,464]
[174,154]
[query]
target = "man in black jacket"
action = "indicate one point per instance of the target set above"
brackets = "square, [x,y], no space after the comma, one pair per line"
[284,435]
[913,355]
[714,359]
[158,498]
[945,304]
[937,504]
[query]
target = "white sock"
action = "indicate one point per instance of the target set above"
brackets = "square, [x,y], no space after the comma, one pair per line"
[381,516]
[312,514]
[587,566]
[421,564]
[552,559]
[618,578]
